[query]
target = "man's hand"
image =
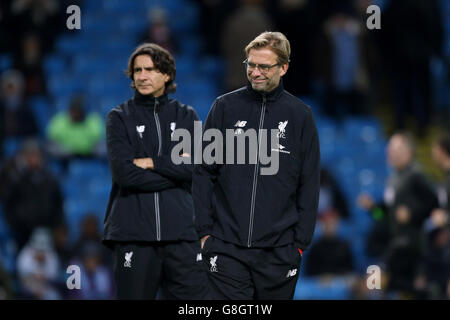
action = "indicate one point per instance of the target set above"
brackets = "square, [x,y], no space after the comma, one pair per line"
[144,163]
[203,240]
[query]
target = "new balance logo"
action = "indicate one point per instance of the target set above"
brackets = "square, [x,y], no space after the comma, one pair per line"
[172,127]
[291,273]
[127,263]
[240,124]
[140,130]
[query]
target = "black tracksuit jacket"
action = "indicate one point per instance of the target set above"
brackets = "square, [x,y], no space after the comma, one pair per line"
[235,202]
[148,205]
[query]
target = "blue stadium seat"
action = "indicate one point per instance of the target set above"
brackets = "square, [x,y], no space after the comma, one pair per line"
[55,64]
[6,62]
[311,288]
[11,145]
[42,111]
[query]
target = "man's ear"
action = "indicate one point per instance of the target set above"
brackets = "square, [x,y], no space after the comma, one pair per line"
[284,69]
[166,78]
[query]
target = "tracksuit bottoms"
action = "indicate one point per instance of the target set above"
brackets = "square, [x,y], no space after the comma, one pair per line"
[163,270]
[242,273]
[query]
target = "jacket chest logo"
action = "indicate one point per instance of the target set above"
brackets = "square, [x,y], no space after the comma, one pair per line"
[239,124]
[282,129]
[140,130]
[173,125]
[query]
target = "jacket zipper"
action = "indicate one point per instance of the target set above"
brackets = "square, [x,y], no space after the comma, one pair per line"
[255,174]
[158,129]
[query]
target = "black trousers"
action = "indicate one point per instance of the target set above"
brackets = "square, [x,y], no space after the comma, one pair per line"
[241,273]
[171,270]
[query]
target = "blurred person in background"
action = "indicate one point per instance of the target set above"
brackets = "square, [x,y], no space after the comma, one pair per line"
[61,244]
[149,219]
[90,232]
[30,194]
[29,61]
[441,155]
[243,25]
[97,280]
[45,17]
[409,198]
[341,62]
[75,133]
[16,117]
[330,256]
[38,267]
[434,277]
[331,197]
[213,14]
[6,284]
[159,32]
[296,19]
[412,33]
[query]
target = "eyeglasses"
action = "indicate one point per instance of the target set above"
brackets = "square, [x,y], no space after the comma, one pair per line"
[263,68]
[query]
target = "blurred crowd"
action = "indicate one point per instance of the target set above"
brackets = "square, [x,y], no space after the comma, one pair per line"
[350,71]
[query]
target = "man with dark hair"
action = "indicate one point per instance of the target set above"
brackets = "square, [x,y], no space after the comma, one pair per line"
[149,219]
[255,226]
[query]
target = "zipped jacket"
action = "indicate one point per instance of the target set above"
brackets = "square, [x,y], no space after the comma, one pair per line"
[235,202]
[148,205]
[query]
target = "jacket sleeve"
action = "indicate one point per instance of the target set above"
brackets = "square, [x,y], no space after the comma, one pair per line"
[180,172]
[121,155]
[203,180]
[309,184]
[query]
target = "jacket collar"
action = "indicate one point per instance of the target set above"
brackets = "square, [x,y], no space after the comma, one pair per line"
[270,96]
[149,100]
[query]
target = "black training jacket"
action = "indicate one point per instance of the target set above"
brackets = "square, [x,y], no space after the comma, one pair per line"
[235,202]
[148,205]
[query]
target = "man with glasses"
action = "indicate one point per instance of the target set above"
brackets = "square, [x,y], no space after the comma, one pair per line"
[255,227]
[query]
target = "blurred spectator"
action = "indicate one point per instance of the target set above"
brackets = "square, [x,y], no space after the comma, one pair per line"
[159,31]
[75,133]
[213,14]
[330,255]
[62,244]
[412,32]
[30,194]
[407,188]
[249,20]
[90,232]
[42,16]
[97,281]
[29,62]
[434,278]
[296,20]
[16,117]
[331,196]
[341,63]
[6,284]
[38,267]
[402,255]
[409,198]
